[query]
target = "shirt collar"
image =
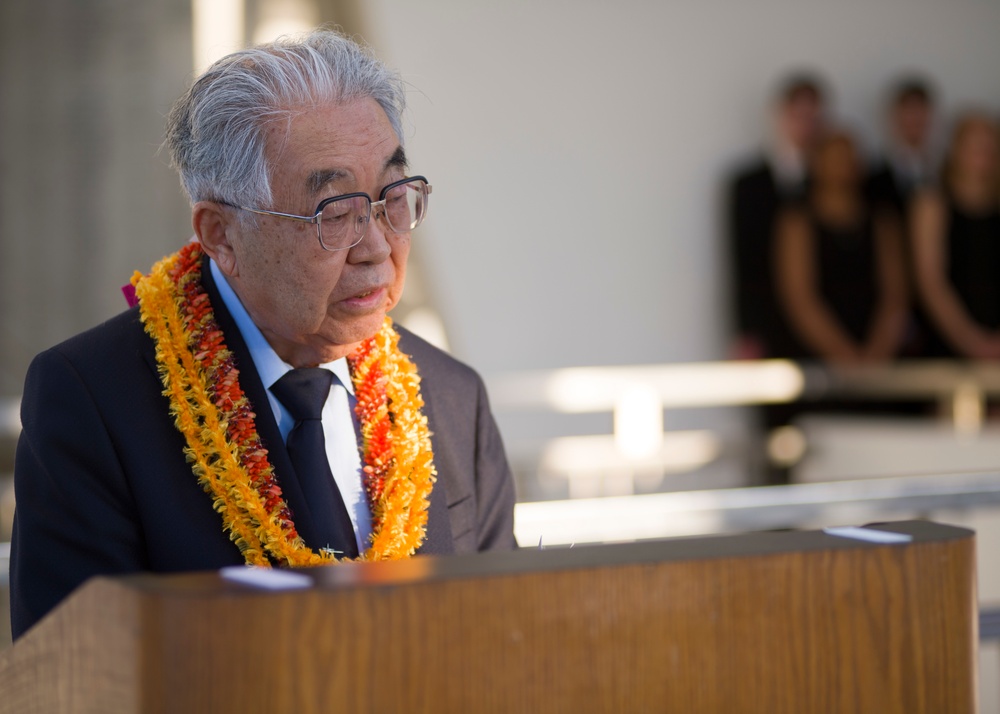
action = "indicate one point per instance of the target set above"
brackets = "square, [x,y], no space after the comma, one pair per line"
[907,161]
[787,163]
[266,361]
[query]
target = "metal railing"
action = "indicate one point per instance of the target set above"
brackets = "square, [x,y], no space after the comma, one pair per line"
[960,386]
[733,510]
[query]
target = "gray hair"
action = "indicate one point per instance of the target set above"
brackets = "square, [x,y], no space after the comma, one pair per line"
[216,131]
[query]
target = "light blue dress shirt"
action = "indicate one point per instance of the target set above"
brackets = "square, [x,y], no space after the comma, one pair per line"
[339,427]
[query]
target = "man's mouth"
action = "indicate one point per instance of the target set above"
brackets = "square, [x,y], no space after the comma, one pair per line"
[365,297]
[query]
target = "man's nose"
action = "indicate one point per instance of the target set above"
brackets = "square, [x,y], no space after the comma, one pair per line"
[374,246]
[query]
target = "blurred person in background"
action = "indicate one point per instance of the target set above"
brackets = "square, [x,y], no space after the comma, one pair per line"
[907,165]
[756,193]
[839,264]
[956,243]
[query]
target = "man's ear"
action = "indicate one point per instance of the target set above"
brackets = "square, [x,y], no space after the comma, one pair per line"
[214,224]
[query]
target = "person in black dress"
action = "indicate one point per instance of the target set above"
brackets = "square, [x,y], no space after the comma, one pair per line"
[956,233]
[839,267]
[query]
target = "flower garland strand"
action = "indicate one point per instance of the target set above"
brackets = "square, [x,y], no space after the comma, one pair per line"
[211,410]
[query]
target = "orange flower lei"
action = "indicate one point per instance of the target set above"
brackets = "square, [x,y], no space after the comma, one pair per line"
[212,412]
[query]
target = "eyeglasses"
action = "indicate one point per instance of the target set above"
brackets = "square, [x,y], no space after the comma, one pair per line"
[342,221]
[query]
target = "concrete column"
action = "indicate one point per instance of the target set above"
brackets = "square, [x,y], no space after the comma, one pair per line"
[86,195]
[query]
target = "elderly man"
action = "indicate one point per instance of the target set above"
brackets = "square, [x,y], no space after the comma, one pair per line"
[256,405]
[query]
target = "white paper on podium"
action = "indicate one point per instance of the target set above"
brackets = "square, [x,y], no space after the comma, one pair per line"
[868,534]
[266,578]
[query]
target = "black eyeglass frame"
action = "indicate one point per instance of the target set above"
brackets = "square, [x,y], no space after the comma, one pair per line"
[317,218]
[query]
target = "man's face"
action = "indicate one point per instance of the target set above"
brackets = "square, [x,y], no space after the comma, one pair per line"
[800,120]
[314,305]
[912,121]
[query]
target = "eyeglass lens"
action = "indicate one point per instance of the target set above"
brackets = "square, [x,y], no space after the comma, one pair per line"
[344,220]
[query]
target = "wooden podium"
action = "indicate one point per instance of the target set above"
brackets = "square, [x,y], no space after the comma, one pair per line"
[800,622]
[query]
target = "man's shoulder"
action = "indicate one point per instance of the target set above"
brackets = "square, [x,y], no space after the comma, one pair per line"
[115,359]
[432,361]
[119,335]
[113,363]
[752,172]
[445,380]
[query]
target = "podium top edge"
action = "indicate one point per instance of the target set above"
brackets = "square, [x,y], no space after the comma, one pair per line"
[433,568]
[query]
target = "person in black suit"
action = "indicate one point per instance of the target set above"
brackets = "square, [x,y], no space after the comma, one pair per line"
[756,193]
[906,165]
[164,441]
[905,168]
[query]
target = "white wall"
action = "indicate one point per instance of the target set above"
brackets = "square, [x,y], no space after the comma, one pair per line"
[577,151]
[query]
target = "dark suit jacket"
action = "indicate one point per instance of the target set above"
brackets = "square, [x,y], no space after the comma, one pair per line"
[102,486]
[888,187]
[755,200]
[884,188]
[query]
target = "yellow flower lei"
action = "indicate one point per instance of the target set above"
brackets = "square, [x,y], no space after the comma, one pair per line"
[212,412]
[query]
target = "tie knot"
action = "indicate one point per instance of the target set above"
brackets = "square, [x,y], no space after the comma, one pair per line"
[304,391]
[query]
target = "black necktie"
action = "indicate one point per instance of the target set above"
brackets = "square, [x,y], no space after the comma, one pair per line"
[304,392]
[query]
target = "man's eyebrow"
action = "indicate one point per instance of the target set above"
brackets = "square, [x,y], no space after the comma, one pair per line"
[320,178]
[397,160]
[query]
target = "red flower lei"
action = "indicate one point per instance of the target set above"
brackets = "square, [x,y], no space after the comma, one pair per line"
[212,412]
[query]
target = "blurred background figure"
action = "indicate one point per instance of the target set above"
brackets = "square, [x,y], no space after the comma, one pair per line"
[906,164]
[956,233]
[907,161]
[756,193]
[839,265]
